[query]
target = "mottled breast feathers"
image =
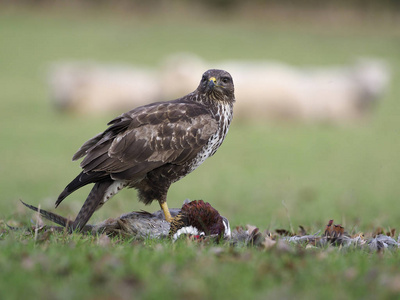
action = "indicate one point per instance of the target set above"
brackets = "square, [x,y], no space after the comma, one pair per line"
[148,137]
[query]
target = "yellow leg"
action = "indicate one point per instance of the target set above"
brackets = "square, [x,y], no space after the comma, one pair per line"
[165,209]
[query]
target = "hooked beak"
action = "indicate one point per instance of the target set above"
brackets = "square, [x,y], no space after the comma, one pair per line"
[212,82]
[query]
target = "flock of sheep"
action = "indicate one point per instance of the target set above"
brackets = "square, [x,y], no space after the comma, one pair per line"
[264,90]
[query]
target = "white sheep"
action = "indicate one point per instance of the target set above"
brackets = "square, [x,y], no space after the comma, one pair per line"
[264,90]
[90,88]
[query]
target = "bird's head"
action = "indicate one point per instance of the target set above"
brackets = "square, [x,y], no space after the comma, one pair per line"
[217,85]
[199,219]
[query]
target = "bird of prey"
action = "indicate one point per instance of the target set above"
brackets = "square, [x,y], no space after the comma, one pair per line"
[153,146]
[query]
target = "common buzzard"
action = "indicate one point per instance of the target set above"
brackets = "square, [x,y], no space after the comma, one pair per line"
[153,146]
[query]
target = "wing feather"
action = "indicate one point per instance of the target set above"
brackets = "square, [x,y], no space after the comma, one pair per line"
[148,137]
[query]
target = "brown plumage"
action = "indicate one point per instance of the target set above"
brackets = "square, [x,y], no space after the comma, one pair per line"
[199,219]
[153,146]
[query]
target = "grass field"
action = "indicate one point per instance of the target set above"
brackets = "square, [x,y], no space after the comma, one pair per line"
[262,175]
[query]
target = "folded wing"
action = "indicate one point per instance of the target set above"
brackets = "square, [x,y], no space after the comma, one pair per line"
[148,137]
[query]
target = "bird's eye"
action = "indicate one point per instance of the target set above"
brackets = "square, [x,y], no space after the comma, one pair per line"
[225,79]
[204,78]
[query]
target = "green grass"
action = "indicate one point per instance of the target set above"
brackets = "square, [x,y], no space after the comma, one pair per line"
[70,267]
[261,175]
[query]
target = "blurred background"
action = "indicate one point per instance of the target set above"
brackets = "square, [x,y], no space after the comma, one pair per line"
[316,129]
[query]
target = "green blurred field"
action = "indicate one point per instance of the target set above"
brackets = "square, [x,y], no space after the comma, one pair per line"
[349,174]
[320,172]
